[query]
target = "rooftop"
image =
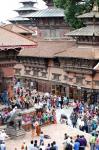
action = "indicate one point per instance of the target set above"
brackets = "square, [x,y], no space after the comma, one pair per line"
[86,31]
[84,52]
[92,14]
[27,8]
[46,49]
[48,12]
[18,28]
[19,18]
[89,15]
[27,1]
[9,39]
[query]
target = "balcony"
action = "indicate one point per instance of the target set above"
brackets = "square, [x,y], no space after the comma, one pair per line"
[78,70]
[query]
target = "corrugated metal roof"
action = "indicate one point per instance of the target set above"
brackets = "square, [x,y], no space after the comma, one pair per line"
[48,12]
[86,31]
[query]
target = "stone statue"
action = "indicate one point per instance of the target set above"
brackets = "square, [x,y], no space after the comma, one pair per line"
[14,124]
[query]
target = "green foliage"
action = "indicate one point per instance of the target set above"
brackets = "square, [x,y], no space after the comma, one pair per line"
[74,8]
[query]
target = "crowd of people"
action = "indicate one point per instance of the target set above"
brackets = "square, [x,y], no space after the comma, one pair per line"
[84,117]
[35,145]
[80,142]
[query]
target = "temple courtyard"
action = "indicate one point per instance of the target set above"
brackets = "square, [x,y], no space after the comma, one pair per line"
[55,131]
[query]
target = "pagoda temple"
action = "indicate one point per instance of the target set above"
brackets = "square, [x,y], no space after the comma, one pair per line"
[88,35]
[81,59]
[66,67]
[50,21]
[28,7]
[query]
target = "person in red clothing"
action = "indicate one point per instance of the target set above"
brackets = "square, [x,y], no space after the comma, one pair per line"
[54,116]
[24,146]
[38,128]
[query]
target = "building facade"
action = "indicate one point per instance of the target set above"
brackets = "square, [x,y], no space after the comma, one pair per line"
[10,45]
[65,67]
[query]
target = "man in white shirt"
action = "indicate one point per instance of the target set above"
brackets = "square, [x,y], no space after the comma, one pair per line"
[3,146]
[41,138]
[3,136]
[31,146]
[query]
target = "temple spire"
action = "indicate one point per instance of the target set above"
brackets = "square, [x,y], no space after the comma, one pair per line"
[95,7]
[49,3]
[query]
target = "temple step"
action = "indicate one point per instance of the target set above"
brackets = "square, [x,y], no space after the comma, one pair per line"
[15,133]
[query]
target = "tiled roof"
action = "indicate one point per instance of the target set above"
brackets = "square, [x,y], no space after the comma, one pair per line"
[19,18]
[46,49]
[91,14]
[9,38]
[26,8]
[85,52]
[85,31]
[27,1]
[48,12]
[18,28]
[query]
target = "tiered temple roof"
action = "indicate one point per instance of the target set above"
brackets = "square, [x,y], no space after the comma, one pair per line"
[90,33]
[48,12]
[28,7]
[87,38]
[28,1]
[51,11]
[49,3]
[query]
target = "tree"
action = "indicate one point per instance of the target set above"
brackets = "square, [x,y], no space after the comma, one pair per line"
[74,8]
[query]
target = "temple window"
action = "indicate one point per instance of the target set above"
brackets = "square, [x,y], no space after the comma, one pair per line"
[65,78]
[53,33]
[70,79]
[56,76]
[35,73]
[17,71]
[59,33]
[51,21]
[56,62]
[27,72]
[97,83]
[41,21]
[79,80]
[46,33]
[44,74]
[88,82]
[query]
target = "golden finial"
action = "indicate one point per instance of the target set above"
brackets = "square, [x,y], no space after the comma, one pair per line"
[95,6]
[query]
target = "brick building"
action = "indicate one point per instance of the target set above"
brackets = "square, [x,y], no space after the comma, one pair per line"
[10,45]
[64,66]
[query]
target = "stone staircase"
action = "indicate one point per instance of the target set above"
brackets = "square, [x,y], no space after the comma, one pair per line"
[15,133]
